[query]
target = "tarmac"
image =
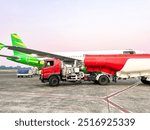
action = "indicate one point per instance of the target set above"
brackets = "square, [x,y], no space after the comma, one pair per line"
[29,95]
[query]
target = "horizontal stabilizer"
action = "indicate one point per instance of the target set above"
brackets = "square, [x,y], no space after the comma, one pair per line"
[12,57]
[2,46]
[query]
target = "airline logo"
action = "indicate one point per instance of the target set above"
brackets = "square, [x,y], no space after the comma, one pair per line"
[15,35]
[21,44]
[17,41]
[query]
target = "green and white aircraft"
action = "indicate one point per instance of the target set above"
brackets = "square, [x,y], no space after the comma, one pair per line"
[21,57]
[24,55]
[29,58]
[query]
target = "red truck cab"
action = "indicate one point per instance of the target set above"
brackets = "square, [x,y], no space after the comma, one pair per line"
[51,70]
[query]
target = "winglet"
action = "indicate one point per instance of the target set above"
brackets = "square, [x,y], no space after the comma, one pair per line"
[1,46]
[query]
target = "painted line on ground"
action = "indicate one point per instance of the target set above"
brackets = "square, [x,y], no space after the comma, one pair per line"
[116,106]
[120,91]
[107,100]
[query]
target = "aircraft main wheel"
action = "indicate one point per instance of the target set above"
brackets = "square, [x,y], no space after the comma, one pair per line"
[103,80]
[53,81]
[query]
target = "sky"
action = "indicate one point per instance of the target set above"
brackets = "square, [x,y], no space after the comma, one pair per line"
[75,25]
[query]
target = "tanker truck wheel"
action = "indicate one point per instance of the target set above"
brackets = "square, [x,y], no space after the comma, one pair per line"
[103,80]
[144,81]
[53,81]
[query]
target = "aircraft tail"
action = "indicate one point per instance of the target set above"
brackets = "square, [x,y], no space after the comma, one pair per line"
[1,46]
[16,41]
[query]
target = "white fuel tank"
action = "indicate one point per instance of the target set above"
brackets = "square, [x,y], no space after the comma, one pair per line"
[135,68]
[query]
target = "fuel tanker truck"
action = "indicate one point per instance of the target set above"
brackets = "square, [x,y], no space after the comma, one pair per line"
[101,69]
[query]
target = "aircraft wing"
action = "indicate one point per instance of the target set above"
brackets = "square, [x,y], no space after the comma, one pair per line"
[40,53]
[12,57]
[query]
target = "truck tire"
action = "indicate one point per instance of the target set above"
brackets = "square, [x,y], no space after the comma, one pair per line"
[144,81]
[103,80]
[53,81]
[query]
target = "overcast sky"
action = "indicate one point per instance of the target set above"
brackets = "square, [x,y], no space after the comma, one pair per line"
[76,25]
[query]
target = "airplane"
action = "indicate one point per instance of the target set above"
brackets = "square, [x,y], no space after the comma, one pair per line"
[24,55]
[21,57]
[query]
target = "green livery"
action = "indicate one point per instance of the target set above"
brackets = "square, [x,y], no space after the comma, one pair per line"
[1,46]
[21,57]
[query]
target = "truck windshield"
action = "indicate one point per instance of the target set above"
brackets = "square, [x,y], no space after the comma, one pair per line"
[49,63]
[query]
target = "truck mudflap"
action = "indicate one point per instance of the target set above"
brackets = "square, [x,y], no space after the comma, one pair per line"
[42,79]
